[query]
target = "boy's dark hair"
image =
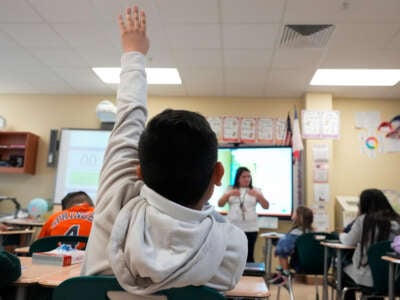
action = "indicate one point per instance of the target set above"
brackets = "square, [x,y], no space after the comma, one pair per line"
[239,172]
[74,198]
[178,153]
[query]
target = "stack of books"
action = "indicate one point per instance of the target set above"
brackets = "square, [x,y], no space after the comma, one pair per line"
[64,255]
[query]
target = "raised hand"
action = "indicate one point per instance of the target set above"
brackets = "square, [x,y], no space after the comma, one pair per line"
[133,30]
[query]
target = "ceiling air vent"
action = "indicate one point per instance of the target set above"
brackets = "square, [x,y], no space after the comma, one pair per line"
[306,36]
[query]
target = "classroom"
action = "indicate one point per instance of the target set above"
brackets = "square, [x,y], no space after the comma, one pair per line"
[233,60]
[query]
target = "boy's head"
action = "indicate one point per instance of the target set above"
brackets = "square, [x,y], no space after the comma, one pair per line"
[178,157]
[75,198]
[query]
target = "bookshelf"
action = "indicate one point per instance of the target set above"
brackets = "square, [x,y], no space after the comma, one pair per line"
[18,151]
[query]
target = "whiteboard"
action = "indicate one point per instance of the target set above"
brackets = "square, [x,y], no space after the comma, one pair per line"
[79,162]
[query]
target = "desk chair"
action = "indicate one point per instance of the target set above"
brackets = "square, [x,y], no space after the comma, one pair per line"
[379,269]
[308,258]
[101,287]
[51,242]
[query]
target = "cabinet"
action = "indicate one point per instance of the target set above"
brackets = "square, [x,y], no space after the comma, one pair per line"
[18,151]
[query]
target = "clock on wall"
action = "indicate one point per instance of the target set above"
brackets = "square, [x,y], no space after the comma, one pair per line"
[3,123]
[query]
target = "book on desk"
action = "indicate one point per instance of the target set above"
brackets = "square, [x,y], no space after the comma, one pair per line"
[64,255]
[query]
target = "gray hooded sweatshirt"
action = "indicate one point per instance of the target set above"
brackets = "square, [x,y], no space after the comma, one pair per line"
[147,241]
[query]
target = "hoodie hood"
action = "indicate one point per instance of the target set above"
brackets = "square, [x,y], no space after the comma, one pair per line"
[169,245]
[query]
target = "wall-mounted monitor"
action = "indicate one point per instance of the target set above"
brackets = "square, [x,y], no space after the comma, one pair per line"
[272,172]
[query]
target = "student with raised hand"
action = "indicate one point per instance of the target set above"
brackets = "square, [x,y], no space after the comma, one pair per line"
[150,228]
[75,218]
[243,198]
[377,222]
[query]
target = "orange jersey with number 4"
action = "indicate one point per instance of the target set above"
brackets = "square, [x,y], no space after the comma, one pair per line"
[76,220]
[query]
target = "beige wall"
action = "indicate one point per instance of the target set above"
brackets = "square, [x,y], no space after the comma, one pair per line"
[351,171]
[355,171]
[40,113]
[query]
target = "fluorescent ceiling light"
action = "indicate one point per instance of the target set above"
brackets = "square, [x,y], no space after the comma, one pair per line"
[356,77]
[154,75]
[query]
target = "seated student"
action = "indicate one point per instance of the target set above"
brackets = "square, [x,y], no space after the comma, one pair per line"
[302,220]
[75,218]
[154,234]
[377,222]
[10,270]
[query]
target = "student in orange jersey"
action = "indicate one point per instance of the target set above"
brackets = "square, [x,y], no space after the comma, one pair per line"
[74,219]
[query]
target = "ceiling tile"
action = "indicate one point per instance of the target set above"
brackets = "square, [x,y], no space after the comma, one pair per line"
[70,11]
[59,57]
[296,58]
[34,35]
[249,36]
[256,11]
[248,76]
[202,82]
[372,11]
[198,58]
[109,10]
[367,58]
[394,43]
[189,11]
[197,36]
[295,78]
[244,89]
[224,47]
[13,11]
[313,12]
[362,36]
[99,57]
[247,58]
[79,35]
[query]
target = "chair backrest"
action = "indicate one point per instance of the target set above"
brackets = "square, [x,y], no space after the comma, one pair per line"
[192,293]
[379,267]
[51,242]
[86,287]
[309,253]
[96,288]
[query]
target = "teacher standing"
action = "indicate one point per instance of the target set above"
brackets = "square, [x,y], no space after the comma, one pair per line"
[243,198]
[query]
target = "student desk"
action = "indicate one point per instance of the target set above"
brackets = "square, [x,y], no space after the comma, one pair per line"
[46,275]
[392,264]
[52,276]
[269,237]
[339,248]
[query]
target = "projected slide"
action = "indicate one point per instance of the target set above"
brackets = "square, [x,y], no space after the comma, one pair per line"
[79,161]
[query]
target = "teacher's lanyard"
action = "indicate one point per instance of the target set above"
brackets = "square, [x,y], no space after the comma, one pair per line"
[241,205]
